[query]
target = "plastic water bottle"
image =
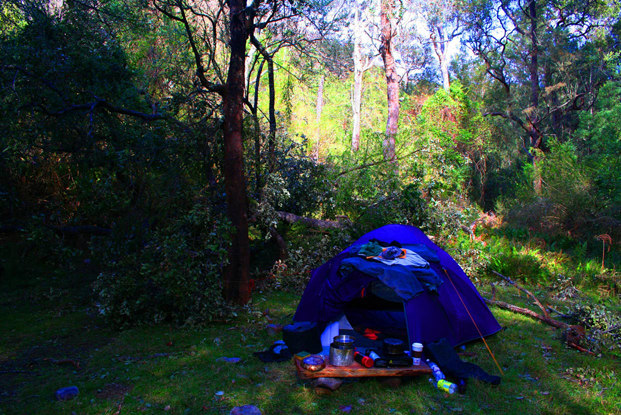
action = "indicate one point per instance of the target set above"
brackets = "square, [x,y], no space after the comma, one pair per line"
[437,373]
[446,386]
[64,394]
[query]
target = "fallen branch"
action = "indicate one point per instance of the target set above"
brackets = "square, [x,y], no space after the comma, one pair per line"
[510,281]
[582,349]
[571,335]
[554,310]
[283,252]
[290,218]
[530,313]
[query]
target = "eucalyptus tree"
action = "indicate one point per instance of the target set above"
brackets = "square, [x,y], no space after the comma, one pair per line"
[444,22]
[540,53]
[362,62]
[389,13]
[279,26]
[217,34]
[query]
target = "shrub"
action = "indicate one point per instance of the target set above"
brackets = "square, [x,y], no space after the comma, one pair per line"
[293,274]
[174,277]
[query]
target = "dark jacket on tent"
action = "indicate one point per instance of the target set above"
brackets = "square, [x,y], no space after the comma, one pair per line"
[429,316]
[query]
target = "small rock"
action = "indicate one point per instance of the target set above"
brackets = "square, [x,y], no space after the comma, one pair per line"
[328,383]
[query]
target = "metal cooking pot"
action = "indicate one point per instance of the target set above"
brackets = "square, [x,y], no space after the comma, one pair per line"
[393,347]
[342,351]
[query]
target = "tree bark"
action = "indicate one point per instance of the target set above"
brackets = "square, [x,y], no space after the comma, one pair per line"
[392,80]
[439,41]
[319,108]
[237,271]
[359,68]
[271,142]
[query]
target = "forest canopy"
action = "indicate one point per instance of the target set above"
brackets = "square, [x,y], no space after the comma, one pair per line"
[186,149]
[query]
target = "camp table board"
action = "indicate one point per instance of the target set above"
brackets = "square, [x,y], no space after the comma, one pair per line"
[356,370]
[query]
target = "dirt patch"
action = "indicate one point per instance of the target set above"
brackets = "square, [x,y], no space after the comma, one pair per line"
[114,391]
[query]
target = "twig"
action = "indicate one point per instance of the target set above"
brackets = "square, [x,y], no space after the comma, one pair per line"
[493,291]
[613,328]
[118,412]
[582,349]
[601,393]
[510,281]
[558,312]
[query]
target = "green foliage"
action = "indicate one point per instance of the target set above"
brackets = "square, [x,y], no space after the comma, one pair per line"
[174,277]
[565,203]
[449,130]
[603,325]
[601,150]
[293,274]
[305,181]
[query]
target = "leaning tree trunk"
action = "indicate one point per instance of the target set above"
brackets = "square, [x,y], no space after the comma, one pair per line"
[237,272]
[392,81]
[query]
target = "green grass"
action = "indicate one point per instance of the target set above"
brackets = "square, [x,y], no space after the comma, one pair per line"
[155,370]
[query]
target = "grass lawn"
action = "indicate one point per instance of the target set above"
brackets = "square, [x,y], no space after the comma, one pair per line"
[51,339]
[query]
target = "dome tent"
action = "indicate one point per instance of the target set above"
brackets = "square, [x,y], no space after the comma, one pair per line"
[446,310]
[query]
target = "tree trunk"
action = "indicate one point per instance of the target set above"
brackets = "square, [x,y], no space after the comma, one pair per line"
[55,8]
[237,272]
[257,131]
[319,109]
[271,147]
[269,58]
[533,68]
[392,81]
[358,71]
[439,47]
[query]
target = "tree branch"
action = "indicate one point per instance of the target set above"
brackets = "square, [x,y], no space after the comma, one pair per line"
[510,281]
[291,218]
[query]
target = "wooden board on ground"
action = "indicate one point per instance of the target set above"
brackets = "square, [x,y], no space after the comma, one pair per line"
[356,370]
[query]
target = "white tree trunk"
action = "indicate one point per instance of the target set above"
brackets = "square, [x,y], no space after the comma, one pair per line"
[319,109]
[358,71]
[439,42]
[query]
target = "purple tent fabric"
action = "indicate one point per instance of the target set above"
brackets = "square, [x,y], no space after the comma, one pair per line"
[429,318]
